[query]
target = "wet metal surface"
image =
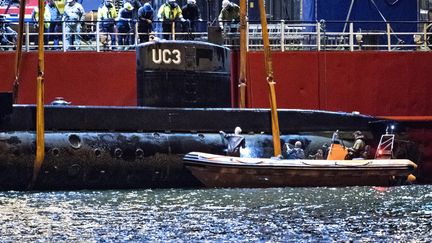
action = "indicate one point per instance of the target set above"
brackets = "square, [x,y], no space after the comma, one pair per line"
[136,119]
[358,214]
[112,160]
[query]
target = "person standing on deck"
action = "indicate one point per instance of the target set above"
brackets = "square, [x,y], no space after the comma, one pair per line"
[136,4]
[229,16]
[168,13]
[55,26]
[35,19]
[107,15]
[125,25]
[145,21]
[73,14]
[192,14]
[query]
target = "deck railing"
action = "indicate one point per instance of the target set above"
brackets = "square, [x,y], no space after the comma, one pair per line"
[284,36]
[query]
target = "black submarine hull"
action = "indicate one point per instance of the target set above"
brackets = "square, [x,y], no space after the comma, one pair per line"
[137,147]
[95,147]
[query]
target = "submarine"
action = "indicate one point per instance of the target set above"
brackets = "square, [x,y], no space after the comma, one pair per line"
[185,100]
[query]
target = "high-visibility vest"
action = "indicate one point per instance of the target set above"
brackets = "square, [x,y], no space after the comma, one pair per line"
[167,13]
[47,16]
[60,5]
[105,13]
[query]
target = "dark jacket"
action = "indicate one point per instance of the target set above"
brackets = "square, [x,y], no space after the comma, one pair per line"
[191,12]
[146,12]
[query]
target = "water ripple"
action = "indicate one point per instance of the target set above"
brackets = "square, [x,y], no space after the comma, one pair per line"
[278,214]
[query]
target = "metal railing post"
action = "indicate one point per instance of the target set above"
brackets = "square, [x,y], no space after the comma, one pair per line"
[388,37]
[282,35]
[27,39]
[97,37]
[318,27]
[289,37]
[64,36]
[173,30]
[425,36]
[247,36]
[351,36]
[136,33]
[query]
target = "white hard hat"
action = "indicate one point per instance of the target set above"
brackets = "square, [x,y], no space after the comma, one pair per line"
[191,1]
[68,1]
[225,3]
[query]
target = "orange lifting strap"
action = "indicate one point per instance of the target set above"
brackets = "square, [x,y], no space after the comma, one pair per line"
[243,59]
[270,80]
[18,53]
[40,121]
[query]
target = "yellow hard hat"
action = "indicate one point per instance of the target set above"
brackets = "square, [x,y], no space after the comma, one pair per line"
[128,6]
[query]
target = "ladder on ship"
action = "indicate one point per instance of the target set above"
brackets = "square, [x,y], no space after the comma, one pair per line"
[385,147]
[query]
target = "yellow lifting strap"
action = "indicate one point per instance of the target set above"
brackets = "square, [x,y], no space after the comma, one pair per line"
[243,58]
[18,53]
[40,121]
[270,81]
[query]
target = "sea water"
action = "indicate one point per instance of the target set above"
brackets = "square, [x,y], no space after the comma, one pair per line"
[359,214]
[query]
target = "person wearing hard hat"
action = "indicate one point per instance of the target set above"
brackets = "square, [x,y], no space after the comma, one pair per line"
[168,13]
[145,21]
[125,25]
[35,19]
[136,4]
[73,15]
[107,14]
[229,15]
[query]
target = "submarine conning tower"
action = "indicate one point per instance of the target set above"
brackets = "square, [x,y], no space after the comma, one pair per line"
[188,74]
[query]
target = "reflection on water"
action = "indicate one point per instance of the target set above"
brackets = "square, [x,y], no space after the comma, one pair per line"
[278,214]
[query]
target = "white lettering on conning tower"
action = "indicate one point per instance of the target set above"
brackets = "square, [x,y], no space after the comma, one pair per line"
[166,56]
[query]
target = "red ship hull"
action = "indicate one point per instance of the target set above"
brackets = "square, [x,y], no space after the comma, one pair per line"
[373,83]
